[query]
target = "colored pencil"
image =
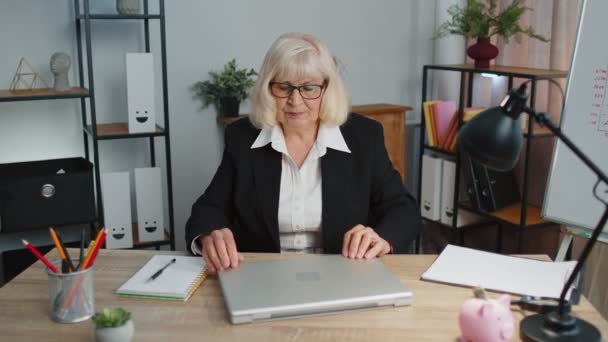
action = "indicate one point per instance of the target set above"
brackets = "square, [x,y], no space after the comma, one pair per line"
[98,246]
[91,249]
[63,253]
[81,255]
[40,257]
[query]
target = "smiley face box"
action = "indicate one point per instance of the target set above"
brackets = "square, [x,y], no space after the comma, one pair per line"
[116,194]
[140,92]
[149,197]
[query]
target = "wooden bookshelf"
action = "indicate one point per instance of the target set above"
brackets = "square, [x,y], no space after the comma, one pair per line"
[139,244]
[41,94]
[119,130]
[512,214]
[503,70]
[228,120]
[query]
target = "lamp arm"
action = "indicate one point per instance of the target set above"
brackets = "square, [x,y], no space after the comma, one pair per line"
[581,261]
[543,120]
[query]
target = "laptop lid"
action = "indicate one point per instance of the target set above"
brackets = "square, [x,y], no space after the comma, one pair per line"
[310,285]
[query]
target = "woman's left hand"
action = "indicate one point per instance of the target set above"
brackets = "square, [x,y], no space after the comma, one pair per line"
[364,242]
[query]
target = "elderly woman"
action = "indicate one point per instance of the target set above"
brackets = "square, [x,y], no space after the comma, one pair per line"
[301,174]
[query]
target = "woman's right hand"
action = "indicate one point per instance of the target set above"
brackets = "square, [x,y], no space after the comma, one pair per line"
[219,250]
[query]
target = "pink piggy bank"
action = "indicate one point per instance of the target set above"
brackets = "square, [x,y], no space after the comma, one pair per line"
[486,320]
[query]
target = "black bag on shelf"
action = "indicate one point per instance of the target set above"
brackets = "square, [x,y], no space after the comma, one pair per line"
[489,190]
[38,194]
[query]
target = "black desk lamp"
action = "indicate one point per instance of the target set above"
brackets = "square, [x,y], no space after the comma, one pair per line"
[494,138]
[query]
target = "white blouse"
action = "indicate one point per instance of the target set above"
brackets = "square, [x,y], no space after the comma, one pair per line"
[300,195]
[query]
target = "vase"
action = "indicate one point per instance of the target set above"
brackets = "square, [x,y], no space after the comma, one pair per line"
[482,52]
[229,106]
[128,7]
[123,333]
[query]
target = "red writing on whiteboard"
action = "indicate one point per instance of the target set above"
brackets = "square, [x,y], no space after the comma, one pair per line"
[603,123]
[598,115]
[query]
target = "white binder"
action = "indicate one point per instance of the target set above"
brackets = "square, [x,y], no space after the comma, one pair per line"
[431,188]
[140,92]
[447,199]
[149,195]
[116,193]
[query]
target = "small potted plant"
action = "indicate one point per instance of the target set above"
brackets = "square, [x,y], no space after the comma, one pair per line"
[226,89]
[481,19]
[113,325]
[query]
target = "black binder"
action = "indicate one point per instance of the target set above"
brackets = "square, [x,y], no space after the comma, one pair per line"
[489,190]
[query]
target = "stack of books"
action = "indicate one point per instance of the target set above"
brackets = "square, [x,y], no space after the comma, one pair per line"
[441,119]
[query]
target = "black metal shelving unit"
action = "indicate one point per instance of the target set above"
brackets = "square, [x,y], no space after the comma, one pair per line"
[98,132]
[519,216]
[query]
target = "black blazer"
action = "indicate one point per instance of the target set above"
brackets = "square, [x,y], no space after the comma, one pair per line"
[360,187]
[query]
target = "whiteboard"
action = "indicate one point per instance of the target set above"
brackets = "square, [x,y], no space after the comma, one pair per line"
[569,196]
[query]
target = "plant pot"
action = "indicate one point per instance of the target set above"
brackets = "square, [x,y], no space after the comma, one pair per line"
[124,333]
[482,52]
[229,106]
[128,7]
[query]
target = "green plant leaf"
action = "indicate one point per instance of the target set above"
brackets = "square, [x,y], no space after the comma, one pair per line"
[482,19]
[111,318]
[229,82]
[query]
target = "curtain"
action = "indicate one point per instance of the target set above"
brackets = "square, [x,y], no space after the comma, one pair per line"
[556,20]
[447,50]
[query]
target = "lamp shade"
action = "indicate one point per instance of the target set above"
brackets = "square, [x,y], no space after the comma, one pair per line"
[492,138]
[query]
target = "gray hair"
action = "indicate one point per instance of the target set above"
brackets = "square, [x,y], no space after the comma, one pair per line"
[299,55]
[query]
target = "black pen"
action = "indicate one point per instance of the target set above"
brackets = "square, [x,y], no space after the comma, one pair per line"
[68,263]
[159,272]
[81,255]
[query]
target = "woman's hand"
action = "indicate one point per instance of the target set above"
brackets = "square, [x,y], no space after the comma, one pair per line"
[219,250]
[364,242]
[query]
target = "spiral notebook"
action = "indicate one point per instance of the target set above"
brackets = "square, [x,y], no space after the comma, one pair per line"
[177,282]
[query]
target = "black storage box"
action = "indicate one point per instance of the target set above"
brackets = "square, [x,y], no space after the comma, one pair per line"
[39,194]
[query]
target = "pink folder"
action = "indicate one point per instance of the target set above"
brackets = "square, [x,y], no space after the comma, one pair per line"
[443,112]
[452,131]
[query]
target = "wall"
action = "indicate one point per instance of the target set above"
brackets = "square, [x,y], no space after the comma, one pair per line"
[382,44]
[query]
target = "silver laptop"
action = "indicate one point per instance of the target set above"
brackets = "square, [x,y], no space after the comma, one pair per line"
[308,286]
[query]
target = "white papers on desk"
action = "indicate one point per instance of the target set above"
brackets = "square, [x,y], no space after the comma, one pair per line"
[469,267]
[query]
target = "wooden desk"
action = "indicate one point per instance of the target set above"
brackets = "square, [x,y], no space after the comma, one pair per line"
[431,317]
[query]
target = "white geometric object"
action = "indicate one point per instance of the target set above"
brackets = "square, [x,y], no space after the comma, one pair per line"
[149,196]
[431,188]
[140,92]
[116,193]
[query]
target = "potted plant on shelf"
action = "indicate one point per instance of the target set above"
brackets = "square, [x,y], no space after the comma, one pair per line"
[226,89]
[113,325]
[481,19]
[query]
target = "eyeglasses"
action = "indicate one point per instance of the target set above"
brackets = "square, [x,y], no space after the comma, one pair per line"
[307,91]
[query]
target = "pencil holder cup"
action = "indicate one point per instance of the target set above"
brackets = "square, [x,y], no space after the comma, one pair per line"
[71,298]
